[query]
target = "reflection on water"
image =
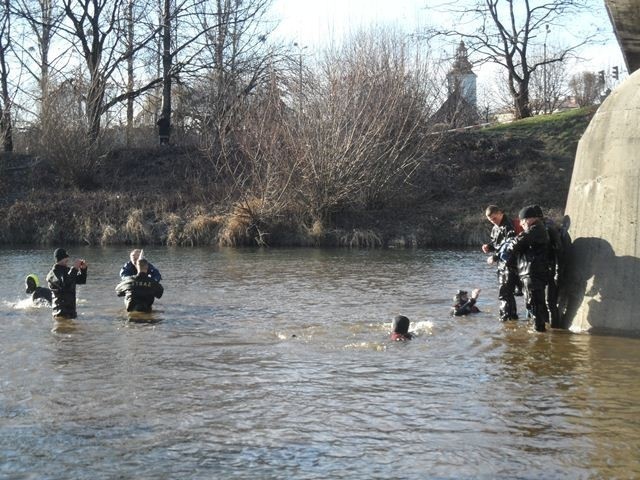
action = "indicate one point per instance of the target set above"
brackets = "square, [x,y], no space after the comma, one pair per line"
[277,364]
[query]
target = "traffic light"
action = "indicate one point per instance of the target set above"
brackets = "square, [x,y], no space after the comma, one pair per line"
[615,72]
[601,77]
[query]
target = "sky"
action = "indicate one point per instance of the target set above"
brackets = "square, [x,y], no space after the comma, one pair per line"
[312,23]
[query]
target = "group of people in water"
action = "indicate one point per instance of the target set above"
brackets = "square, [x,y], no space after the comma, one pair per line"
[527,251]
[140,284]
[529,255]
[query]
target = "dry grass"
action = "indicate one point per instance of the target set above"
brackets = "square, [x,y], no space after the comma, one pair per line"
[109,235]
[175,225]
[201,230]
[360,239]
[443,205]
[137,231]
[244,225]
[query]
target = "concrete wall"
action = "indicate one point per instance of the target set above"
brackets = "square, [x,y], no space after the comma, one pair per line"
[602,291]
[625,17]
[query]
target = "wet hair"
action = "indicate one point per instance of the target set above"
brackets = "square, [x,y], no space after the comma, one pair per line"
[491,209]
[457,298]
[401,324]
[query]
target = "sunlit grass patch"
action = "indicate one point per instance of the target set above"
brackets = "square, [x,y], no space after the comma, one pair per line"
[202,230]
[109,235]
[136,230]
[244,225]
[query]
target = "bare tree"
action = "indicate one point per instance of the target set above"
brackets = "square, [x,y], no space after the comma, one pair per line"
[42,19]
[130,21]
[268,143]
[504,32]
[101,39]
[364,124]
[232,61]
[167,61]
[548,87]
[586,88]
[5,45]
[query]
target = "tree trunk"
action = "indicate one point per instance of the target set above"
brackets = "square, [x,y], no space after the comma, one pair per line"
[521,104]
[130,72]
[95,96]
[166,68]
[5,119]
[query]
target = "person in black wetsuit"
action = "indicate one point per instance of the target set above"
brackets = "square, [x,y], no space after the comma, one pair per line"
[62,280]
[530,248]
[463,305]
[556,264]
[139,290]
[38,293]
[503,230]
[401,329]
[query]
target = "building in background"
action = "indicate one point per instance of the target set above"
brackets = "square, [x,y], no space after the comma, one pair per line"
[460,109]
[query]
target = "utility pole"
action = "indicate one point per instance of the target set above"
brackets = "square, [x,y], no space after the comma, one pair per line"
[545,96]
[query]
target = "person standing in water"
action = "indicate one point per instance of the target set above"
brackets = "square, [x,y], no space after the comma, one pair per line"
[503,230]
[139,290]
[62,280]
[531,250]
[129,269]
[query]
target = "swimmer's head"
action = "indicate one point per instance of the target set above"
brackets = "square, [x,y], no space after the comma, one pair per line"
[31,283]
[401,324]
[461,297]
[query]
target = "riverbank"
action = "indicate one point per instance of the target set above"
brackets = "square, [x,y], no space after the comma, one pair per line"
[166,196]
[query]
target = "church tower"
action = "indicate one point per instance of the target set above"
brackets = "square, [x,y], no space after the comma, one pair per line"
[461,80]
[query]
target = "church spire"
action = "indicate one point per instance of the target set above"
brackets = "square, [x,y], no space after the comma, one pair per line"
[461,64]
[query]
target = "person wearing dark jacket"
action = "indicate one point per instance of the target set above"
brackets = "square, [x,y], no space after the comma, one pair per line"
[463,305]
[530,248]
[38,293]
[164,130]
[140,290]
[507,271]
[62,280]
[555,253]
[129,269]
[401,329]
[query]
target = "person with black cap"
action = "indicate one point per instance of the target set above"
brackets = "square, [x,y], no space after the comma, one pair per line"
[38,293]
[62,280]
[139,290]
[463,305]
[531,251]
[507,271]
[401,329]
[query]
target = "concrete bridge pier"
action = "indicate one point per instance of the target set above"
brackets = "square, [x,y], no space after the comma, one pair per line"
[602,288]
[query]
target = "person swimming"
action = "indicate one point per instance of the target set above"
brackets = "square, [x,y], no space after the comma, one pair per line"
[401,329]
[38,293]
[463,305]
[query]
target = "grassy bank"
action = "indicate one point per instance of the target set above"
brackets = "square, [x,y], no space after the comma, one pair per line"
[166,196]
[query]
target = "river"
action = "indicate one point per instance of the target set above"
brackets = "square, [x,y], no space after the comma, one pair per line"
[276,364]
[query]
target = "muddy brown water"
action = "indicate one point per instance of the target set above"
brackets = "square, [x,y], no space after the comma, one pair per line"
[277,364]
